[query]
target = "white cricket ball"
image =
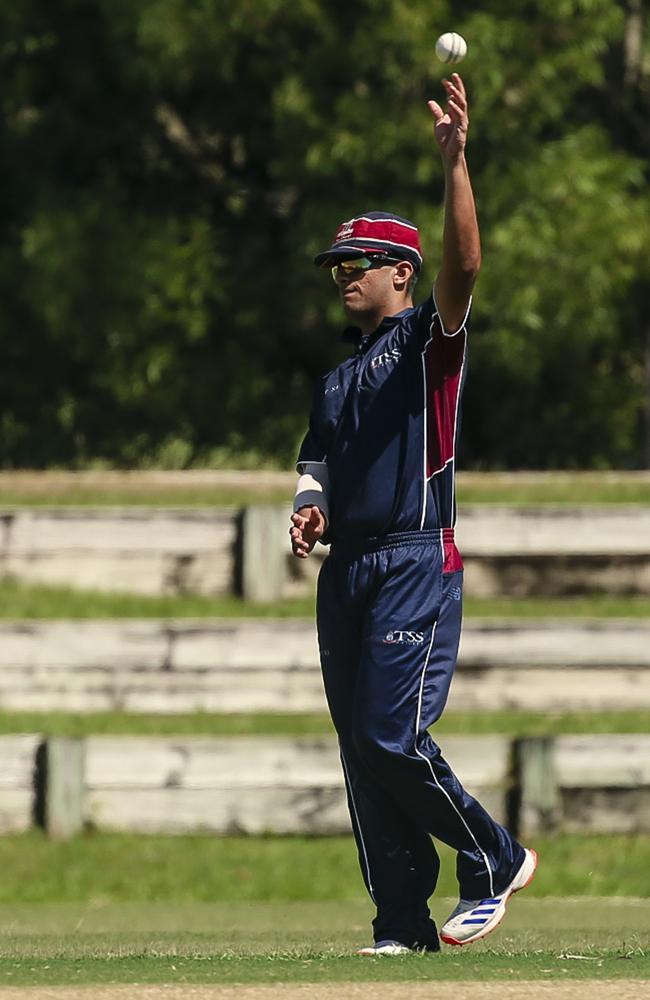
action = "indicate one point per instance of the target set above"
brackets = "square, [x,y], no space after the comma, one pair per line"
[451,47]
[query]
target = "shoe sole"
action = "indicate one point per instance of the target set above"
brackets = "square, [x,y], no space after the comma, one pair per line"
[500,914]
[384,952]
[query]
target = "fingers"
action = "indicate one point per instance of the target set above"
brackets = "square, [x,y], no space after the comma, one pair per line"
[436,110]
[316,523]
[456,110]
[306,530]
[295,534]
[302,550]
[458,83]
[456,98]
[299,546]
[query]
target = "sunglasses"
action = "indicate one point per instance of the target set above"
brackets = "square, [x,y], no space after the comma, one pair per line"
[360,264]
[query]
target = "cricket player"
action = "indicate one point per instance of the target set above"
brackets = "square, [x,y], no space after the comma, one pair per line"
[377,482]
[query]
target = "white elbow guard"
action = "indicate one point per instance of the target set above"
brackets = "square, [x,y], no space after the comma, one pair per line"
[313,487]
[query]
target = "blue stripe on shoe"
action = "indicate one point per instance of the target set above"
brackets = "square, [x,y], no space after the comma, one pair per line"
[489,912]
[486,902]
[471,920]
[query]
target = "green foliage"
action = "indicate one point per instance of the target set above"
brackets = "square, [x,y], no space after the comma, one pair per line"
[168,168]
[561,340]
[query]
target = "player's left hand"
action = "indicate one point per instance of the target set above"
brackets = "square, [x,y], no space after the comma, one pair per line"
[308,526]
[451,125]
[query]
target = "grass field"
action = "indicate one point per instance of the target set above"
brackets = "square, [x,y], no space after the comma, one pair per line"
[307,942]
[235,488]
[137,910]
[134,910]
[19,600]
[509,723]
[121,868]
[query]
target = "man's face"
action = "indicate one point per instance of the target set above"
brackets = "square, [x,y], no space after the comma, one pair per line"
[366,291]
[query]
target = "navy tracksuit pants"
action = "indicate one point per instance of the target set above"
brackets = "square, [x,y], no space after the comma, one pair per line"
[389,620]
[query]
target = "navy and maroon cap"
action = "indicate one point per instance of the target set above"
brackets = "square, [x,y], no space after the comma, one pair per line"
[377,233]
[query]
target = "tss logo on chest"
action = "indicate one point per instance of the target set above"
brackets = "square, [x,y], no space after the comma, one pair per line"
[394,354]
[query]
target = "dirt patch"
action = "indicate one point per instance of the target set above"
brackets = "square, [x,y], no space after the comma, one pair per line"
[539,990]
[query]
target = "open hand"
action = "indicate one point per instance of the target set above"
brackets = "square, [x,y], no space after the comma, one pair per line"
[451,125]
[308,526]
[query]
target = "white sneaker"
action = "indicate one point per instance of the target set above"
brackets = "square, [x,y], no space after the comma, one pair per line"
[473,919]
[386,948]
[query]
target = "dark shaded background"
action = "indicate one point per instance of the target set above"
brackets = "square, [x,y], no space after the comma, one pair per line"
[169,167]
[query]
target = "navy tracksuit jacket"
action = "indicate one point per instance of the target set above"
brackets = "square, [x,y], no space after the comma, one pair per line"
[389,615]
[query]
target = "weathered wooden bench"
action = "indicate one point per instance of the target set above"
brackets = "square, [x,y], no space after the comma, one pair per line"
[19,757]
[252,785]
[590,783]
[517,551]
[266,665]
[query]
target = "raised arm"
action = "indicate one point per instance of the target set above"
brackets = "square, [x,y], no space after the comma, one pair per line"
[461,244]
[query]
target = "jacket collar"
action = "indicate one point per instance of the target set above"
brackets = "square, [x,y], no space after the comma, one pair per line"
[353,334]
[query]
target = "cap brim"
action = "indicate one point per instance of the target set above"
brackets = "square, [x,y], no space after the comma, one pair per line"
[349,251]
[340,253]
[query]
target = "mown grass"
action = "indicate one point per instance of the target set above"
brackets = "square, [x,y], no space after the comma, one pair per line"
[313,966]
[23,601]
[507,723]
[203,496]
[132,909]
[309,942]
[529,489]
[518,488]
[165,963]
[264,927]
[116,868]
